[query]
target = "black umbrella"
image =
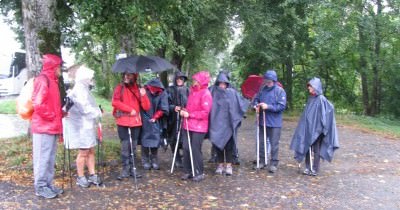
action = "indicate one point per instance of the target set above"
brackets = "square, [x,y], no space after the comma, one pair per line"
[140,63]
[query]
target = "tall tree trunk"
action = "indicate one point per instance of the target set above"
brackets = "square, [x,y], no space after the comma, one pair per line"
[376,63]
[42,33]
[363,68]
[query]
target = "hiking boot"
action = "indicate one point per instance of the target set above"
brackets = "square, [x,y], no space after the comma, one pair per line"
[220,169]
[154,164]
[124,173]
[46,192]
[94,179]
[56,190]
[198,178]
[82,182]
[146,166]
[272,169]
[262,165]
[306,171]
[135,172]
[186,176]
[236,161]
[229,170]
[313,173]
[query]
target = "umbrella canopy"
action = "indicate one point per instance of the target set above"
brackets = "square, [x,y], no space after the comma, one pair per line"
[251,86]
[140,63]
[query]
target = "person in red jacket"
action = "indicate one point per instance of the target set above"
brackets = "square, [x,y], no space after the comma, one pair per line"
[46,125]
[196,114]
[127,101]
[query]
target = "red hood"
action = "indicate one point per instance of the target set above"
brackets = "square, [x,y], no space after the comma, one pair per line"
[50,63]
[203,77]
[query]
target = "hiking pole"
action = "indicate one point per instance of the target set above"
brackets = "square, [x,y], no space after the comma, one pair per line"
[190,146]
[258,141]
[99,154]
[311,162]
[177,142]
[265,141]
[63,171]
[133,158]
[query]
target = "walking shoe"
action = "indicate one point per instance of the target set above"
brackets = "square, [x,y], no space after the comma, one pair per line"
[262,165]
[146,166]
[220,169]
[46,192]
[82,182]
[186,176]
[136,173]
[313,173]
[272,169]
[56,190]
[198,178]
[236,161]
[124,173]
[229,170]
[178,163]
[94,179]
[306,171]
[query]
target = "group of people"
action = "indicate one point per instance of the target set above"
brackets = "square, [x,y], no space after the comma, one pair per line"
[153,116]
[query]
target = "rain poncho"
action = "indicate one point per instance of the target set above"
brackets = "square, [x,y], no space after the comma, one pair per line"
[318,118]
[80,124]
[150,134]
[226,114]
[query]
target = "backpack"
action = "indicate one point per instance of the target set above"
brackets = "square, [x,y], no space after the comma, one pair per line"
[24,104]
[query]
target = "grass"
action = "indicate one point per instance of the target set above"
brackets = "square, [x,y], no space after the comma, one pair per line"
[8,107]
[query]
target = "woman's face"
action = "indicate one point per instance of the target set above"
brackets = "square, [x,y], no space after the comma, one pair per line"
[195,83]
[179,81]
[129,78]
[222,85]
[311,90]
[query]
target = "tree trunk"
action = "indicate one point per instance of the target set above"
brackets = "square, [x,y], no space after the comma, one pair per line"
[376,64]
[42,33]
[363,67]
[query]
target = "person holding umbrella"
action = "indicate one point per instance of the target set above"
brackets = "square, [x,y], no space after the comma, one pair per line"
[128,99]
[177,99]
[153,123]
[195,126]
[226,115]
[270,101]
[79,126]
[316,130]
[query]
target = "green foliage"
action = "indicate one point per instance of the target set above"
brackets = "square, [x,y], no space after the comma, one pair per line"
[7,107]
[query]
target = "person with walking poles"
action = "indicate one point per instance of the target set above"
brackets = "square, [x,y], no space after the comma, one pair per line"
[227,112]
[154,122]
[46,126]
[195,126]
[316,131]
[128,99]
[177,99]
[80,126]
[269,102]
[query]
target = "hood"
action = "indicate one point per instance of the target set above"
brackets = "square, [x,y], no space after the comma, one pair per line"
[271,75]
[203,77]
[50,62]
[179,74]
[155,83]
[317,85]
[222,77]
[84,75]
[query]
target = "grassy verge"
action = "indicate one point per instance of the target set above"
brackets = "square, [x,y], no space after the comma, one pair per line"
[7,107]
